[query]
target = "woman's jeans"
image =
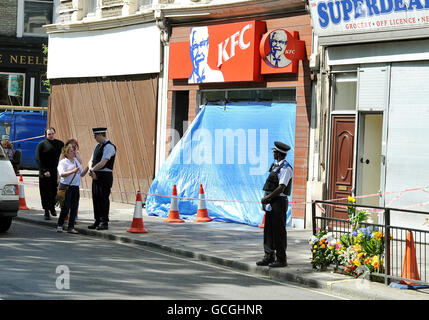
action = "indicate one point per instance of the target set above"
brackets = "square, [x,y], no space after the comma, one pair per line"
[71,204]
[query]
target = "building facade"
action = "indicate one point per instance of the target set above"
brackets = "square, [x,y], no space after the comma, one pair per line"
[236,78]
[371,125]
[105,70]
[22,61]
[110,64]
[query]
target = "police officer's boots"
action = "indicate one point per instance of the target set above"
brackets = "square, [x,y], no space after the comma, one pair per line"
[266,261]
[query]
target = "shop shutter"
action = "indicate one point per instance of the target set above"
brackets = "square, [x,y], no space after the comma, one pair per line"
[408,140]
[373,88]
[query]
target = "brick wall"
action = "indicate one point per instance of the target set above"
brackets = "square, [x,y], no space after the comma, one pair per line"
[8,12]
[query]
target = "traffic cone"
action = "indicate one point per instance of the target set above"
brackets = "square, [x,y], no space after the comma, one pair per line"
[22,203]
[202,213]
[173,215]
[262,225]
[137,224]
[409,268]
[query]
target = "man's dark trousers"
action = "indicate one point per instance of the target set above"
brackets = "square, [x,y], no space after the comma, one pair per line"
[48,190]
[101,188]
[275,236]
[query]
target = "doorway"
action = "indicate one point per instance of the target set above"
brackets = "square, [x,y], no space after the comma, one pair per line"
[369,159]
[341,162]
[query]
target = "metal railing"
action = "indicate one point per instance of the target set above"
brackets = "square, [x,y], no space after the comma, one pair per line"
[395,238]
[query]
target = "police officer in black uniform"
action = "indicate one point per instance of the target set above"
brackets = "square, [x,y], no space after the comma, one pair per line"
[101,171]
[275,204]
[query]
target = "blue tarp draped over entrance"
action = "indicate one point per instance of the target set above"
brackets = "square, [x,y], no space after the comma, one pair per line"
[227,149]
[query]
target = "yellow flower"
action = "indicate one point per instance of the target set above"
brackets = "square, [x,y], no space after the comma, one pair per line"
[351,199]
[356,247]
[375,262]
[314,251]
[356,263]
[315,246]
[361,254]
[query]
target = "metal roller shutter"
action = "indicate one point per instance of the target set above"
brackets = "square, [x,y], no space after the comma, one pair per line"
[408,140]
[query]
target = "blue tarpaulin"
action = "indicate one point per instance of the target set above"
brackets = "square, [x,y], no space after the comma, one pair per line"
[227,149]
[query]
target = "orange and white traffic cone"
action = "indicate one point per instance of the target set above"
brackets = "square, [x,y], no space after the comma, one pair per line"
[202,213]
[409,268]
[262,225]
[173,215]
[22,203]
[137,224]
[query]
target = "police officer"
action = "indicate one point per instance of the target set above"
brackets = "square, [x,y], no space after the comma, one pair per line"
[101,171]
[275,204]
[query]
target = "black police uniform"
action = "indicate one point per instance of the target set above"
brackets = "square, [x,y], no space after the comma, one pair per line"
[275,236]
[101,187]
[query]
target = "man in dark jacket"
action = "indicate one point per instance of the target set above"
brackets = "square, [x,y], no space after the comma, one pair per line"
[48,154]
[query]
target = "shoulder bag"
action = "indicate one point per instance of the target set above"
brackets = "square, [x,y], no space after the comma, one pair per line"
[60,198]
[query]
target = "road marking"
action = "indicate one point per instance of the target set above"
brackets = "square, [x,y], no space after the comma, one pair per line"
[330,283]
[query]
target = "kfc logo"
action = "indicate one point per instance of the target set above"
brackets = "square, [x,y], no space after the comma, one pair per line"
[199,52]
[236,39]
[279,48]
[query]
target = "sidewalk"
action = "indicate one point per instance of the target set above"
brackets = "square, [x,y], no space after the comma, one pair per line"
[228,244]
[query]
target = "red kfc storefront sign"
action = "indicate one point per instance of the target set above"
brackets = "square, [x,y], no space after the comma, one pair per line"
[234,52]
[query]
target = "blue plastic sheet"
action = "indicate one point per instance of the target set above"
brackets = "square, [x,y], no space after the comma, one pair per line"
[227,149]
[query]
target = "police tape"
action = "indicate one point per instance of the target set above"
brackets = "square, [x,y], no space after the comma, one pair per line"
[378,211]
[31,138]
[401,192]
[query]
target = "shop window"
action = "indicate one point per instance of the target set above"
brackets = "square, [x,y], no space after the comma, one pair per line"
[276,95]
[179,115]
[33,15]
[11,89]
[344,91]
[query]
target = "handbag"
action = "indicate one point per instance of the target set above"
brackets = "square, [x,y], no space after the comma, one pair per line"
[60,198]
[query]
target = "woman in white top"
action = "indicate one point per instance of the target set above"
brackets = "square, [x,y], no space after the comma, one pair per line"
[70,172]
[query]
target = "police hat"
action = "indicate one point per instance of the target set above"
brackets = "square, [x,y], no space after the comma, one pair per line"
[281,147]
[98,130]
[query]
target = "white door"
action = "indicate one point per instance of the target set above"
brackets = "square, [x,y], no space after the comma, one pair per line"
[369,159]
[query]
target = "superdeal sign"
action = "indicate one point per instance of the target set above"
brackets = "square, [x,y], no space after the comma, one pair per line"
[234,52]
[348,16]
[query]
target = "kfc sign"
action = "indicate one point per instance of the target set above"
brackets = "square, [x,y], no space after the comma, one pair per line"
[281,51]
[231,52]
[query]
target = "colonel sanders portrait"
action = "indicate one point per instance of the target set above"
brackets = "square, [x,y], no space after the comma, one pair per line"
[278,43]
[199,51]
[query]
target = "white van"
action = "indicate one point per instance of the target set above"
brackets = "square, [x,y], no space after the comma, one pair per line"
[9,192]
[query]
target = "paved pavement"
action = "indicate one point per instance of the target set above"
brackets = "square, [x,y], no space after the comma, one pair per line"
[228,244]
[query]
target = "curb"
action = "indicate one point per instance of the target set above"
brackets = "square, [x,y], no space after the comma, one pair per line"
[351,287]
